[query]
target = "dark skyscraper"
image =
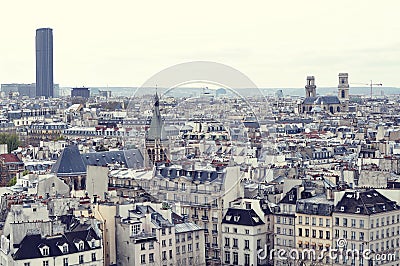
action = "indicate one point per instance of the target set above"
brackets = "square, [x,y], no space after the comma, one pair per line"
[44,62]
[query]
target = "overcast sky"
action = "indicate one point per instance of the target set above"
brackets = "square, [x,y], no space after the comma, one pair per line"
[275,43]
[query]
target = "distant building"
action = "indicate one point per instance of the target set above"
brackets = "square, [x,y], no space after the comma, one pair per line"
[44,63]
[22,89]
[156,137]
[80,92]
[329,104]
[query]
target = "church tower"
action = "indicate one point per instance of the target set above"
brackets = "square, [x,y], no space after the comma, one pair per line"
[156,138]
[311,89]
[343,87]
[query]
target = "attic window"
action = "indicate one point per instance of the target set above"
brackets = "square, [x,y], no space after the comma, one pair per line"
[384,207]
[228,217]
[80,247]
[358,210]
[342,208]
[236,218]
[45,250]
[256,219]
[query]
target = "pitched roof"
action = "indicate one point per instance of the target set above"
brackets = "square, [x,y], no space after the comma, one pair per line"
[71,162]
[156,130]
[10,158]
[242,217]
[29,246]
[322,100]
[365,202]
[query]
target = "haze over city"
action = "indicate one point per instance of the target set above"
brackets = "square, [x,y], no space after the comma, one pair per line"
[275,43]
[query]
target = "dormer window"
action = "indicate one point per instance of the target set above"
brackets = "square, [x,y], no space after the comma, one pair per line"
[358,210]
[93,243]
[63,248]
[45,250]
[342,208]
[79,244]
[236,218]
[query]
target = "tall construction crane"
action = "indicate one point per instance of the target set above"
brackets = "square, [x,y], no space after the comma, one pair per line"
[369,84]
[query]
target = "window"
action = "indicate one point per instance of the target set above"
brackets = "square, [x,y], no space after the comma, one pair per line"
[235,258]
[80,246]
[93,256]
[190,248]
[151,245]
[27,264]
[143,259]
[235,243]
[164,243]
[80,258]
[247,259]
[65,261]
[143,246]
[247,232]
[177,250]
[170,253]
[246,244]
[45,251]
[135,229]
[164,255]
[353,222]
[151,257]
[227,257]
[227,242]
[258,243]
[46,263]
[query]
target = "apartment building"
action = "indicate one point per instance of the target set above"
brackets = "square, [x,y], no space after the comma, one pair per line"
[366,219]
[148,237]
[201,194]
[244,234]
[314,227]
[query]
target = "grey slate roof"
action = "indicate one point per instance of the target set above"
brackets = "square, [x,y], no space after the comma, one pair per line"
[322,100]
[69,163]
[156,130]
[29,246]
[242,217]
[365,202]
[72,163]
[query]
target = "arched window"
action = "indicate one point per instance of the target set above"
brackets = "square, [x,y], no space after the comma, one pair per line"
[331,109]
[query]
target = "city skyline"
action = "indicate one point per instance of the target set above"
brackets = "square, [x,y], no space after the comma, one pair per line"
[123,45]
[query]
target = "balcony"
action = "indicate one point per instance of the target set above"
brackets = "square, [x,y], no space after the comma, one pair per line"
[195,217]
[215,219]
[215,245]
[215,232]
[206,231]
[200,191]
[204,218]
[143,236]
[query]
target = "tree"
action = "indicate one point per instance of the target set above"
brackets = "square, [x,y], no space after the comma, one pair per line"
[11,140]
[12,182]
